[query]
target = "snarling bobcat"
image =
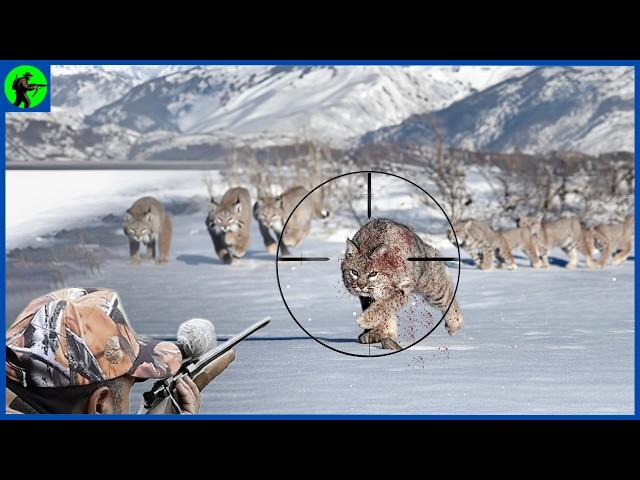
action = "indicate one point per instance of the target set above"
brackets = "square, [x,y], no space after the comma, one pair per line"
[612,238]
[565,233]
[521,238]
[376,269]
[229,224]
[481,243]
[147,222]
[272,213]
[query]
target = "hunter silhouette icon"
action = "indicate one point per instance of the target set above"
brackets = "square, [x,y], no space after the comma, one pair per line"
[22,86]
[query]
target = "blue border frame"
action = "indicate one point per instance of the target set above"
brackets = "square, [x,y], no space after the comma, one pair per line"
[577,63]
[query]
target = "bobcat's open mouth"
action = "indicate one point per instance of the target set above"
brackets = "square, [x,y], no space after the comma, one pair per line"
[360,292]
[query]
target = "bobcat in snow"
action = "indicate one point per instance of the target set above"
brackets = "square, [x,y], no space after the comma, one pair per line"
[481,243]
[272,213]
[146,221]
[521,238]
[613,238]
[229,224]
[376,269]
[566,233]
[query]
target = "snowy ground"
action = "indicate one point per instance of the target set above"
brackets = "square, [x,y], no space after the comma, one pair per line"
[534,341]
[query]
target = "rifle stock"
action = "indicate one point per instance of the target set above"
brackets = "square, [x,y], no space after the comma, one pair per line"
[214,369]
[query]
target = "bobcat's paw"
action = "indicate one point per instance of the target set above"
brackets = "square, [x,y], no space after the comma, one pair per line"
[390,344]
[162,260]
[512,266]
[369,336]
[454,323]
[135,260]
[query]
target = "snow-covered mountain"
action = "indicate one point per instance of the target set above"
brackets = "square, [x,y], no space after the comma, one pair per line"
[586,109]
[36,137]
[85,88]
[196,112]
[327,103]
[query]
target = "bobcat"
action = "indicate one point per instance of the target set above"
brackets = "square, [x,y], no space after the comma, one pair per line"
[146,221]
[272,213]
[481,243]
[521,238]
[613,238]
[229,224]
[566,233]
[376,269]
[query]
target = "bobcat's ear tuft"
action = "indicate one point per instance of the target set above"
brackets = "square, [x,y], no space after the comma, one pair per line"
[238,206]
[379,250]
[352,248]
[128,216]
[213,202]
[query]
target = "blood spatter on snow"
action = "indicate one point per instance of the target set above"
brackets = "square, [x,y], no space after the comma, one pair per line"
[417,361]
[415,321]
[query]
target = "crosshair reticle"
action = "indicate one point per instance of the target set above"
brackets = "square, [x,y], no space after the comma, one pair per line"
[310,282]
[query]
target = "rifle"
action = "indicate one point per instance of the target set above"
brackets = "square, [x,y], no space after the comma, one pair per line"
[35,90]
[160,398]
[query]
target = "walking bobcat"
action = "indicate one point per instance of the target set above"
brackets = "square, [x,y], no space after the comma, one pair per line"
[613,238]
[521,238]
[482,243]
[147,222]
[229,224]
[272,213]
[565,233]
[376,269]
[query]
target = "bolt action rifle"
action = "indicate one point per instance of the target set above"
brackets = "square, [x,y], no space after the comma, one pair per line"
[160,398]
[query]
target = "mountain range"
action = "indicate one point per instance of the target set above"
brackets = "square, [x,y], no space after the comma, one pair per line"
[585,109]
[192,112]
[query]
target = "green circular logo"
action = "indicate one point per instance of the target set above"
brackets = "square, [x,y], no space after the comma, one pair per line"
[25,86]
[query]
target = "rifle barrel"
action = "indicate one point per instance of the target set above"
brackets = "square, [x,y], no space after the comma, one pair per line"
[207,358]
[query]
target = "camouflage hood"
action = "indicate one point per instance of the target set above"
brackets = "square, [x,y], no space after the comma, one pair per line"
[81,336]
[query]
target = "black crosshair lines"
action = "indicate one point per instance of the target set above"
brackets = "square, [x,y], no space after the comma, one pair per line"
[368,194]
